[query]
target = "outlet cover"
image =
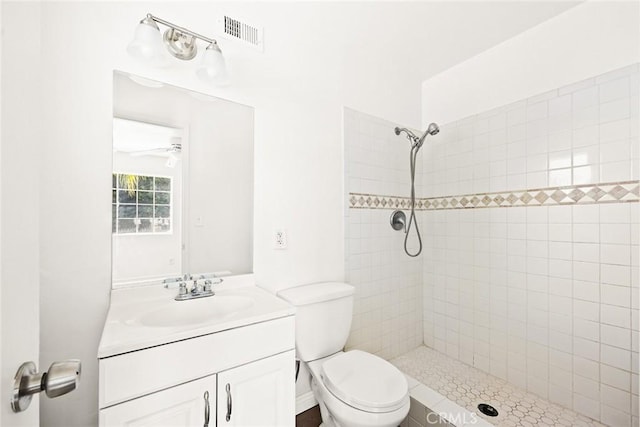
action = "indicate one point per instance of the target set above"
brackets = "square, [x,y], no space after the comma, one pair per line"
[280,239]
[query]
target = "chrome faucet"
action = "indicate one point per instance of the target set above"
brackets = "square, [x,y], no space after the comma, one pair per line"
[197,290]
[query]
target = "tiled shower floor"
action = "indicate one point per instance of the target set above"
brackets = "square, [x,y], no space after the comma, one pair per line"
[443,378]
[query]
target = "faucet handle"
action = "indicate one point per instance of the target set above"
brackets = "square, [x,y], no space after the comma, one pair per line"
[207,285]
[170,281]
[183,288]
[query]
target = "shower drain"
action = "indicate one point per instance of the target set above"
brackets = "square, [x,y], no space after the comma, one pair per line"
[488,410]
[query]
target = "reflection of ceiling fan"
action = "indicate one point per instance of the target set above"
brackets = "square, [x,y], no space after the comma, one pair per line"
[173,150]
[138,139]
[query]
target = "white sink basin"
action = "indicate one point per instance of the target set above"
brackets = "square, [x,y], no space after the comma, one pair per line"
[194,312]
[147,316]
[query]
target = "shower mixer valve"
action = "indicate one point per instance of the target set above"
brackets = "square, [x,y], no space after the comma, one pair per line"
[398,220]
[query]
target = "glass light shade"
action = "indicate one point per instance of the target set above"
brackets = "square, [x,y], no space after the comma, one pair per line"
[213,67]
[147,42]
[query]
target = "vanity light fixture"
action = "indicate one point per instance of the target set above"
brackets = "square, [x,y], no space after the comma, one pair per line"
[180,43]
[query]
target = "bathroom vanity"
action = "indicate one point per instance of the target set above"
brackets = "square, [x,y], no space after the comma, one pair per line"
[225,360]
[222,360]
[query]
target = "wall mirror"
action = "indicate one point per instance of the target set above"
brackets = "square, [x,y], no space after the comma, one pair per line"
[182,183]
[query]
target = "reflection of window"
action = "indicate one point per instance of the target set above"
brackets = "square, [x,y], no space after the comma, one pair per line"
[141,204]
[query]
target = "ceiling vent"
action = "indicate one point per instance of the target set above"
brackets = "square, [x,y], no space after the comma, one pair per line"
[241,31]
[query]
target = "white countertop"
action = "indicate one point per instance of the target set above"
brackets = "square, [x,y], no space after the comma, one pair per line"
[122,334]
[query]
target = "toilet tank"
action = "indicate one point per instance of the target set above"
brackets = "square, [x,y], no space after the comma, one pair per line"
[323,317]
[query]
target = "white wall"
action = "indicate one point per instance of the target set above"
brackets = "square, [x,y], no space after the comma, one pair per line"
[387,317]
[298,166]
[586,40]
[21,137]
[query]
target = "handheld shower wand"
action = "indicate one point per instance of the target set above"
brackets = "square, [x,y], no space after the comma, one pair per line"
[416,144]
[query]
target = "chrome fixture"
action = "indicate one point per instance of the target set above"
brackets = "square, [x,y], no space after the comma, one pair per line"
[229,402]
[188,277]
[398,218]
[61,378]
[201,287]
[207,409]
[181,43]
[172,280]
[432,129]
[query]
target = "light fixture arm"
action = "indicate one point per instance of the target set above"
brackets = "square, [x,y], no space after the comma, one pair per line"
[180,29]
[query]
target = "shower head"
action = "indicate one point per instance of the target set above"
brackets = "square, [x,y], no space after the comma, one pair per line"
[432,129]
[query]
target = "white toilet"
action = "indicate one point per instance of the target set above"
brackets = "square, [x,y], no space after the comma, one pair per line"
[353,388]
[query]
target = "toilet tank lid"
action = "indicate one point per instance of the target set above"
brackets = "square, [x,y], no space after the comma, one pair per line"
[316,292]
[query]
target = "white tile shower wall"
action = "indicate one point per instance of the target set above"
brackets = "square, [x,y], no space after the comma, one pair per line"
[586,132]
[387,318]
[545,297]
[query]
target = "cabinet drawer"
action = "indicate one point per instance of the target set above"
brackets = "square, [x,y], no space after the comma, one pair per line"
[130,375]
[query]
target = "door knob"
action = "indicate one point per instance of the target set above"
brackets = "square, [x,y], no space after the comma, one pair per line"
[61,378]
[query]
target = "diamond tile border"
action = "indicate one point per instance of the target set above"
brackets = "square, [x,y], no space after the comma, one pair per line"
[608,192]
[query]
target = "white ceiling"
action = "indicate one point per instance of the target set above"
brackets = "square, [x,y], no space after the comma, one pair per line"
[414,40]
[429,37]
[130,136]
[365,52]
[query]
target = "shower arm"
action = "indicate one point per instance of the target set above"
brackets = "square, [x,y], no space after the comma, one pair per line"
[407,131]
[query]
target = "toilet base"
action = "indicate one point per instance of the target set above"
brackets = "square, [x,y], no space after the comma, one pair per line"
[327,419]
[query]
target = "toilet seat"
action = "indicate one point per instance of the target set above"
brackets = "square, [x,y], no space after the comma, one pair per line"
[365,382]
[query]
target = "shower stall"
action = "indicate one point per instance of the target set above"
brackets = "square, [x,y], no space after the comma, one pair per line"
[517,297]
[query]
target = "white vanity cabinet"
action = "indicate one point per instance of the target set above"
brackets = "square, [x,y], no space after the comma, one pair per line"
[260,393]
[164,383]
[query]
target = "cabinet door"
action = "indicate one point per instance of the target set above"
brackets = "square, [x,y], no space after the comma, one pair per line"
[260,393]
[179,406]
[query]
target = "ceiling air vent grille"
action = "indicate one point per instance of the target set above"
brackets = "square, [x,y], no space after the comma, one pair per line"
[238,30]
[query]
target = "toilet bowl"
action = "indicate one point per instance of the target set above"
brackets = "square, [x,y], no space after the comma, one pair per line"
[353,388]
